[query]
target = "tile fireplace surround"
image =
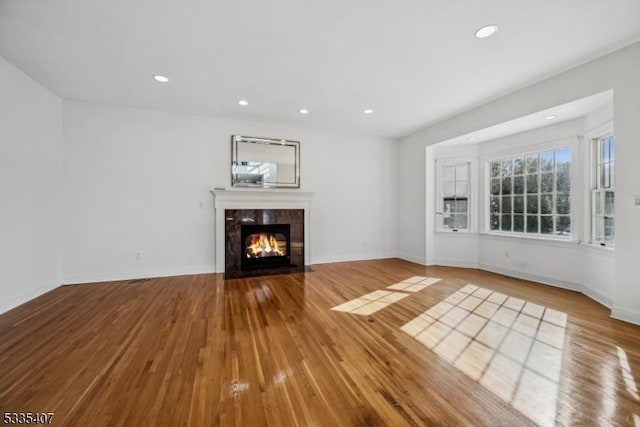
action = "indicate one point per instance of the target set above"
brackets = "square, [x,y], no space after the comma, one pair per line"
[237,199]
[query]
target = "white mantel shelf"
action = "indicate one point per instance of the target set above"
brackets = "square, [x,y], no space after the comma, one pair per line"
[259,199]
[266,195]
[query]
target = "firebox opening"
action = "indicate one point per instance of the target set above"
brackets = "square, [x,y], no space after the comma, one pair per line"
[265,246]
[260,245]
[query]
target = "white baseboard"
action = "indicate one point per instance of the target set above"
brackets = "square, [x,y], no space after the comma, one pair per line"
[412,258]
[596,296]
[132,275]
[19,298]
[626,314]
[455,263]
[352,257]
[533,277]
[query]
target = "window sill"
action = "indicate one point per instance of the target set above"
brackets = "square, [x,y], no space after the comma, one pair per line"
[532,239]
[456,233]
[596,247]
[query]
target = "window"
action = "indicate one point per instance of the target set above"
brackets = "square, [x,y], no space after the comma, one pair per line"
[531,194]
[453,206]
[602,199]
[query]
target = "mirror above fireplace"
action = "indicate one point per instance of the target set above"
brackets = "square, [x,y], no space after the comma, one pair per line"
[264,162]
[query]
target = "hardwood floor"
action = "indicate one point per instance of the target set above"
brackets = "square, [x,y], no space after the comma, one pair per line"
[198,350]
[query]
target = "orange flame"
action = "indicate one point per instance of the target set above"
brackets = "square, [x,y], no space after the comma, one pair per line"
[263,245]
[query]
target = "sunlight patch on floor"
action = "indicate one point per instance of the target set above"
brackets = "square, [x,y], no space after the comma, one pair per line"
[370,303]
[512,347]
[414,284]
[377,300]
[627,375]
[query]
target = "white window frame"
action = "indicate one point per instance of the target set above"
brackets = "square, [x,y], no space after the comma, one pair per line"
[594,139]
[574,198]
[441,163]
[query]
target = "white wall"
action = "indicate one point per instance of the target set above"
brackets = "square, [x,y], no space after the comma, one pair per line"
[618,71]
[30,181]
[134,180]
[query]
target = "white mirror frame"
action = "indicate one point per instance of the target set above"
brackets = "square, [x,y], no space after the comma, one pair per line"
[241,180]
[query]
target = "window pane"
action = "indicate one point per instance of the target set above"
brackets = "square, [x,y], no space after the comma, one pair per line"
[532,183]
[494,205]
[462,188]
[546,182]
[506,204]
[546,224]
[598,202]
[458,206]
[494,222]
[506,223]
[532,204]
[612,175]
[495,186]
[563,225]
[546,204]
[506,185]
[532,224]
[518,204]
[507,167]
[518,185]
[598,231]
[604,150]
[532,163]
[447,222]
[605,177]
[460,221]
[609,203]
[518,166]
[563,159]
[563,181]
[612,147]
[449,188]
[462,172]
[518,223]
[546,161]
[563,203]
[608,229]
[495,169]
[449,173]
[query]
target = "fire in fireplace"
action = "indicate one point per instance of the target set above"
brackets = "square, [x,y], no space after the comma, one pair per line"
[265,245]
[262,245]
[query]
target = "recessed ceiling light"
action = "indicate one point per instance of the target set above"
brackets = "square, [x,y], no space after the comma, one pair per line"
[550,117]
[486,31]
[367,111]
[160,78]
[243,102]
[303,111]
[471,139]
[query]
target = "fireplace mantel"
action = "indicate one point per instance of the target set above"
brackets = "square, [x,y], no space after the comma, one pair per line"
[260,196]
[258,199]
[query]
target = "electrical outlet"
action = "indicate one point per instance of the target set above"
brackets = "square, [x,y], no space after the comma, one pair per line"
[506,253]
[636,200]
[138,255]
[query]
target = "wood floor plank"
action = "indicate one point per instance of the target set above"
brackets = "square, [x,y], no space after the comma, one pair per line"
[270,351]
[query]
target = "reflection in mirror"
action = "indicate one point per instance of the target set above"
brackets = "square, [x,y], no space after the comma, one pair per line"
[264,162]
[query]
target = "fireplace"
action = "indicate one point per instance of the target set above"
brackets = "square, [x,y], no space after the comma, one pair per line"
[265,245]
[263,241]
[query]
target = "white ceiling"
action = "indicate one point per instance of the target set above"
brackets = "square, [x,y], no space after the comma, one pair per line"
[414,62]
[560,113]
